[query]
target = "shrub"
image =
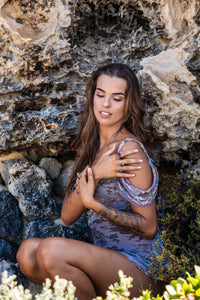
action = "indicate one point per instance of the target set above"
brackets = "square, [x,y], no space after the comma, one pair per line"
[180,225]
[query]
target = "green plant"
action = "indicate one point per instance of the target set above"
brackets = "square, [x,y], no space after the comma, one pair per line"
[181,226]
[186,289]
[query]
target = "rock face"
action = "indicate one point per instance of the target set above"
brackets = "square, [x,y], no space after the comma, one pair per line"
[48,51]
[174,101]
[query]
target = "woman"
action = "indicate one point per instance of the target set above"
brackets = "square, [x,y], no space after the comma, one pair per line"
[122,211]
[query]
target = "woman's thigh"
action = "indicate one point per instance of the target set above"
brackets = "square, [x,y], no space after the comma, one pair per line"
[99,264]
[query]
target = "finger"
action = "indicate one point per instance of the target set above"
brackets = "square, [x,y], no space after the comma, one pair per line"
[90,173]
[130,168]
[129,161]
[128,152]
[90,178]
[124,175]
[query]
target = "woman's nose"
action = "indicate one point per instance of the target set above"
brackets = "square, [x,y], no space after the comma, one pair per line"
[106,102]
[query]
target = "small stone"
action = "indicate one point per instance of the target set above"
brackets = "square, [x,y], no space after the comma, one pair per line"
[62,181]
[51,166]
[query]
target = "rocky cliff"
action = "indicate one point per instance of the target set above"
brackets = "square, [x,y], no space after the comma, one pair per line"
[48,51]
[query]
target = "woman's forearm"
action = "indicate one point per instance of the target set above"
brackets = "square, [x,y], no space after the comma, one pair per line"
[130,221]
[72,208]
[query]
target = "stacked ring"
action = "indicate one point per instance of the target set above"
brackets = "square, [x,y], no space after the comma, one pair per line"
[122,164]
[120,170]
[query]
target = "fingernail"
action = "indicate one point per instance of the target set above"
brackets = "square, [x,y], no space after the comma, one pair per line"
[139,167]
[136,150]
[132,175]
[89,169]
[140,160]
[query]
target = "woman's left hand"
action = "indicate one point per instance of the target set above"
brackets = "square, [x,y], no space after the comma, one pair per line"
[86,188]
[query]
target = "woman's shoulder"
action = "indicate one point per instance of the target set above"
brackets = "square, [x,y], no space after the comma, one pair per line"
[130,142]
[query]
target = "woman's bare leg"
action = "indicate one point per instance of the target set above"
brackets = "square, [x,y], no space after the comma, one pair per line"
[27,260]
[89,267]
[26,257]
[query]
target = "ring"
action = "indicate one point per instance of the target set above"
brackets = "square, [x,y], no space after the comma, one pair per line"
[122,164]
[120,170]
[78,176]
[118,154]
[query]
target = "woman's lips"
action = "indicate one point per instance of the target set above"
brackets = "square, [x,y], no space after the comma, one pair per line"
[105,114]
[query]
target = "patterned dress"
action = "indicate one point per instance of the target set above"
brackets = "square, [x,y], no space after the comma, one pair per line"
[119,193]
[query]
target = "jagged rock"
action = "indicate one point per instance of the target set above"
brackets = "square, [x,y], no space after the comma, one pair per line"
[51,166]
[7,251]
[48,53]
[43,229]
[175,114]
[11,224]
[41,46]
[30,186]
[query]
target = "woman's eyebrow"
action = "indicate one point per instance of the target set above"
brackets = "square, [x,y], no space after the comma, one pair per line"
[99,89]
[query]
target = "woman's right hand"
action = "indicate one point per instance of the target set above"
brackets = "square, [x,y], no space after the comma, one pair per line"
[113,164]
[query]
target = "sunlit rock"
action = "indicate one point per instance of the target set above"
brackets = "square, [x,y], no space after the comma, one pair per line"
[169,88]
[30,186]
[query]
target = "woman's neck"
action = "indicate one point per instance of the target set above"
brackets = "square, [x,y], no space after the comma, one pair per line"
[109,135]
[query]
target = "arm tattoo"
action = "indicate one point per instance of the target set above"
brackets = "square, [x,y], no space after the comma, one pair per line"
[130,221]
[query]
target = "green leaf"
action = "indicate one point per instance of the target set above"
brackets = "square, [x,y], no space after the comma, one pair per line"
[197,293]
[193,281]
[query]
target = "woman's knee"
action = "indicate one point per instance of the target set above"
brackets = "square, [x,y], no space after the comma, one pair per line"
[26,254]
[46,253]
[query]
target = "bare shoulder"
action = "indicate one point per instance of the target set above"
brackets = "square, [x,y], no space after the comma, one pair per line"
[132,145]
[143,178]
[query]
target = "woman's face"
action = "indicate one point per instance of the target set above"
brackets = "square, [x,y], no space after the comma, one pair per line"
[109,100]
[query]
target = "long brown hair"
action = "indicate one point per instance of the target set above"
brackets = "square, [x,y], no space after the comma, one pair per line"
[87,140]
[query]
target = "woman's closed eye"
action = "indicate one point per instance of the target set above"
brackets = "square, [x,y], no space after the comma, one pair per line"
[117,99]
[114,98]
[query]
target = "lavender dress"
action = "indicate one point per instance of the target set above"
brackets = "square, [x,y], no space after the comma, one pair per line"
[119,193]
